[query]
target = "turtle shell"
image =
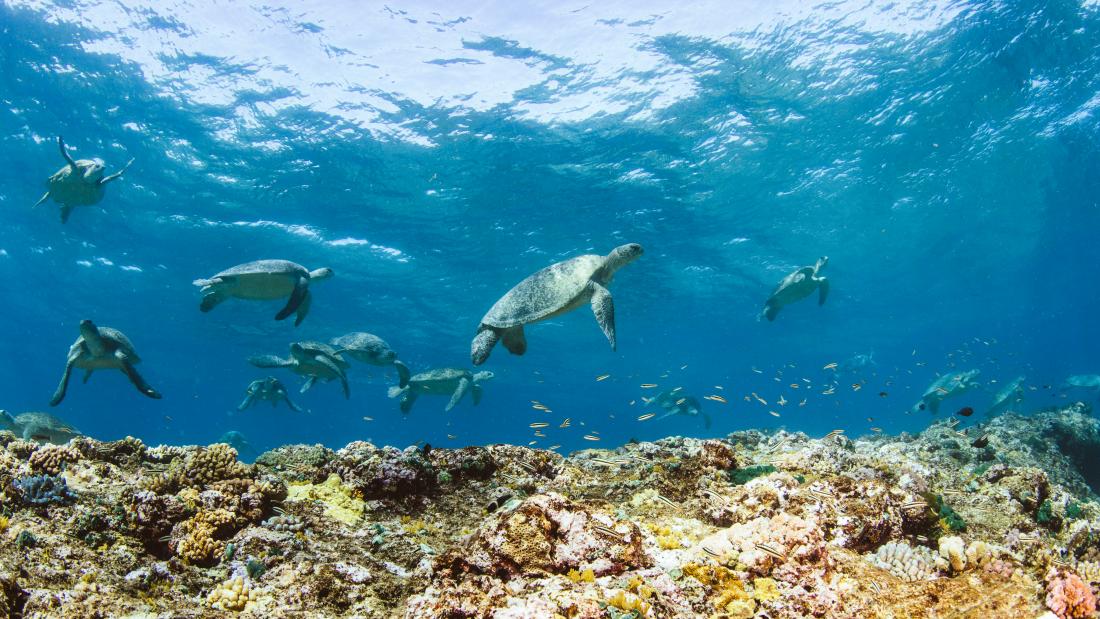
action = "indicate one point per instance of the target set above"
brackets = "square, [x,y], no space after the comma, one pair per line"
[440,375]
[120,341]
[313,348]
[544,292]
[264,267]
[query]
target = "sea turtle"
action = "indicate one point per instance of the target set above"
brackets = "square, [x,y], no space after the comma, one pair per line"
[237,441]
[676,402]
[454,382]
[368,348]
[947,386]
[1083,381]
[102,348]
[310,359]
[80,183]
[798,286]
[1012,393]
[553,291]
[42,427]
[264,280]
[270,389]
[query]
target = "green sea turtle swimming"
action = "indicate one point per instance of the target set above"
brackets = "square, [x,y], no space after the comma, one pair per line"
[676,402]
[35,426]
[80,183]
[314,360]
[797,286]
[264,280]
[368,348]
[947,386]
[270,389]
[548,293]
[102,348]
[454,382]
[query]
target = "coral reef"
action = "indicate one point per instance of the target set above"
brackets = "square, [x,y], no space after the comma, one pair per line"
[780,525]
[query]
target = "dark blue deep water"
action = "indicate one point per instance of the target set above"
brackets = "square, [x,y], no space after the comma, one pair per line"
[944,155]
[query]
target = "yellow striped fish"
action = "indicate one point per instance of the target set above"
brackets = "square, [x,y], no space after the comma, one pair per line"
[602,377]
[646,416]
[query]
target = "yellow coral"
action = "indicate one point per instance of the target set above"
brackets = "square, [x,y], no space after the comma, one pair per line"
[340,504]
[731,600]
[234,594]
[666,538]
[629,602]
[765,590]
[585,576]
[4,523]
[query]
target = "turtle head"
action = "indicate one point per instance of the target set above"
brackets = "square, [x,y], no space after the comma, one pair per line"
[93,169]
[317,275]
[483,376]
[821,262]
[7,422]
[622,255]
[88,329]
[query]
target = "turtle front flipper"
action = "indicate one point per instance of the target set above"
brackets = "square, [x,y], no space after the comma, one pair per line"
[306,386]
[247,400]
[822,290]
[45,196]
[289,403]
[63,386]
[464,385]
[268,361]
[211,300]
[301,287]
[332,367]
[65,151]
[515,341]
[116,175]
[403,373]
[303,308]
[604,309]
[483,344]
[138,382]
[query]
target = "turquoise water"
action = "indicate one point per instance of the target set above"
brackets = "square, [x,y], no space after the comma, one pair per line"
[944,155]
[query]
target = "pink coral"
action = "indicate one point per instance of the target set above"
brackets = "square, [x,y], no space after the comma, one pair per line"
[1068,596]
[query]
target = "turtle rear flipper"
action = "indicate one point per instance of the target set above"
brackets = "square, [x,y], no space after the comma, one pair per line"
[771,310]
[604,309]
[66,210]
[306,386]
[408,400]
[475,392]
[335,369]
[403,373]
[139,382]
[63,386]
[483,344]
[301,287]
[822,290]
[515,341]
[464,385]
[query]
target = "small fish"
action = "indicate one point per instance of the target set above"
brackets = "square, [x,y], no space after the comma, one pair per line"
[821,495]
[875,587]
[921,538]
[856,386]
[565,424]
[640,458]
[602,377]
[803,402]
[539,424]
[773,413]
[965,411]
[870,419]
[662,498]
[452,436]
[876,429]
[648,385]
[530,443]
[681,401]
[710,552]
[883,394]
[781,401]
[980,442]
[830,391]
[771,551]
[830,366]
[942,391]
[540,407]
[1026,538]
[591,437]
[759,399]
[646,416]
[911,505]
[368,418]
[795,385]
[540,434]
[684,367]
[632,402]
[956,493]
[527,467]
[783,441]
[609,532]
[720,387]
[605,462]
[953,422]
[717,497]
[833,435]
[553,447]
[756,370]
[715,398]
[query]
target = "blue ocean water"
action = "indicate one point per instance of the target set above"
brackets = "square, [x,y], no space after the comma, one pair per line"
[944,155]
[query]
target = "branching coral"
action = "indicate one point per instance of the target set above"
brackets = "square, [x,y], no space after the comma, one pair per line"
[52,459]
[43,490]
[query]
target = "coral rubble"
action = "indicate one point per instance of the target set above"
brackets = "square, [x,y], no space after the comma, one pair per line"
[780,525]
